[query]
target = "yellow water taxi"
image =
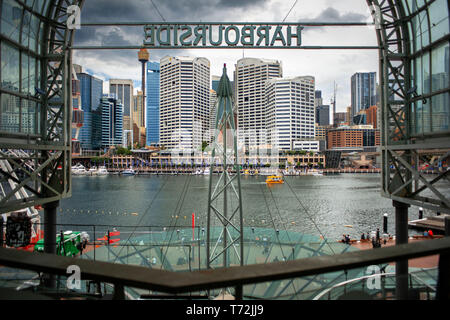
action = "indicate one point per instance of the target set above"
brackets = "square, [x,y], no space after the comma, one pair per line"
[274,179]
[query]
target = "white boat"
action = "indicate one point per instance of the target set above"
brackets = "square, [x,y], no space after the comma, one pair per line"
[198,172]
[317,173]
[102,171]
[79,169]
[129,172]
[92,171]
[206,171]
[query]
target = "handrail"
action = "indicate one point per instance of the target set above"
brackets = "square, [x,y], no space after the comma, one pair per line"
[184,282]
[324,292]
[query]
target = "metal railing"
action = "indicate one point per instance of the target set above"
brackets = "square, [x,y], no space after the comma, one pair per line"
[326,294]
[121,275]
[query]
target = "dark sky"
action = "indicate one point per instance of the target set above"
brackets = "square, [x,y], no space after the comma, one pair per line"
[327,67]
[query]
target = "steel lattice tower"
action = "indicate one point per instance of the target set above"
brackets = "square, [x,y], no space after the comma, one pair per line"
[231,219]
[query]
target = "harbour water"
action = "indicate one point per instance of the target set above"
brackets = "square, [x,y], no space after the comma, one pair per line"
[326,206]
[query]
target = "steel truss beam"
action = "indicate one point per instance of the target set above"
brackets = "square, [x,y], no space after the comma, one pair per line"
[402,153]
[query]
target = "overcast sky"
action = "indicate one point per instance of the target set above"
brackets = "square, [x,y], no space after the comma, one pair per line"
[326,66]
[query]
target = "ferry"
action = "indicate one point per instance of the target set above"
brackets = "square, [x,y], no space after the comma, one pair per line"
[129,172]
[274,179]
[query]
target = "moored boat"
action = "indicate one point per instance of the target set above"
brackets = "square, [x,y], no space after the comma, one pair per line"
[274,179]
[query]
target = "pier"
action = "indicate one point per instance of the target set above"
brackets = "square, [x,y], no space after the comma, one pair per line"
[436,224]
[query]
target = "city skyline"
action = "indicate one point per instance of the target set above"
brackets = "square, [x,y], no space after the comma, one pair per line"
[327,66]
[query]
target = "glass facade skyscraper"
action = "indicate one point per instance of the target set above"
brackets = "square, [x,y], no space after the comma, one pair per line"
[364,92]
[153,77]
[91,89]
[112,121]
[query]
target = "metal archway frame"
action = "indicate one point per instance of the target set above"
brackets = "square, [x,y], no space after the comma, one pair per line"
[40,164]
[46,170]
[402,180]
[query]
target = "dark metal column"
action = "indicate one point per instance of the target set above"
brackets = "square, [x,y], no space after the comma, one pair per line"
[401,237]
[50,237]
[443,285]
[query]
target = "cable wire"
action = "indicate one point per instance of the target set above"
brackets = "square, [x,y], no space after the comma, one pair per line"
[157,10]
[290,10]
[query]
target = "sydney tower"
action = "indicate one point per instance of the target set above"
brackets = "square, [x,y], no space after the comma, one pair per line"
[143,57]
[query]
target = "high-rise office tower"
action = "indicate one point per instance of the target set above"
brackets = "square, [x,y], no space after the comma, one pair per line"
[138,119]
[323,115]
[91,90]
[77,112]
[153,82]
[364,92]
[184,103]
[318,101]
[123,91]
[290,110]
[112,121]
[250,82]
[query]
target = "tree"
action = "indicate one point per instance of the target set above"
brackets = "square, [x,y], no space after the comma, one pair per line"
[123,151]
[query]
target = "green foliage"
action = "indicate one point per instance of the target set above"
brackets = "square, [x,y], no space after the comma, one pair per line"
[123,151]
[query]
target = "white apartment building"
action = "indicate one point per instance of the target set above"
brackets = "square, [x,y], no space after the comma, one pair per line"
[212,114]
[184,102]
[250,82]
[290,111]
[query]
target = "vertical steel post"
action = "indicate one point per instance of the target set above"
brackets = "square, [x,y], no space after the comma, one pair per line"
[50,237]
[385,223]
[401,237]
[225,181]
[443,285]
[1,231]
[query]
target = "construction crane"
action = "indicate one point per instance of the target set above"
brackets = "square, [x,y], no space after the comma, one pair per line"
[333,102]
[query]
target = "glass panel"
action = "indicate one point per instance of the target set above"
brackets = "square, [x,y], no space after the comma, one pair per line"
[38,4]
[440,67]
[34,32]
[10,111]
[11,17]
[438,12]
[10,67]
[41,38]
[32,77]
[25,86]
[441,112]
[44,10]
[28,121]
[26,28]
[419,117]
[421,30]
[426,114]
[418,74]
[426,73]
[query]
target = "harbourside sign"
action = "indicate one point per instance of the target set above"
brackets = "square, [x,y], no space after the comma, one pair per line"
[218,35]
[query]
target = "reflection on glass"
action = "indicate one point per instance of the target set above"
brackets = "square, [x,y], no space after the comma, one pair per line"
[440,67]
[438,12]
[11,18]
[10,111]
[28,120]
[441,113]
[10,67]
